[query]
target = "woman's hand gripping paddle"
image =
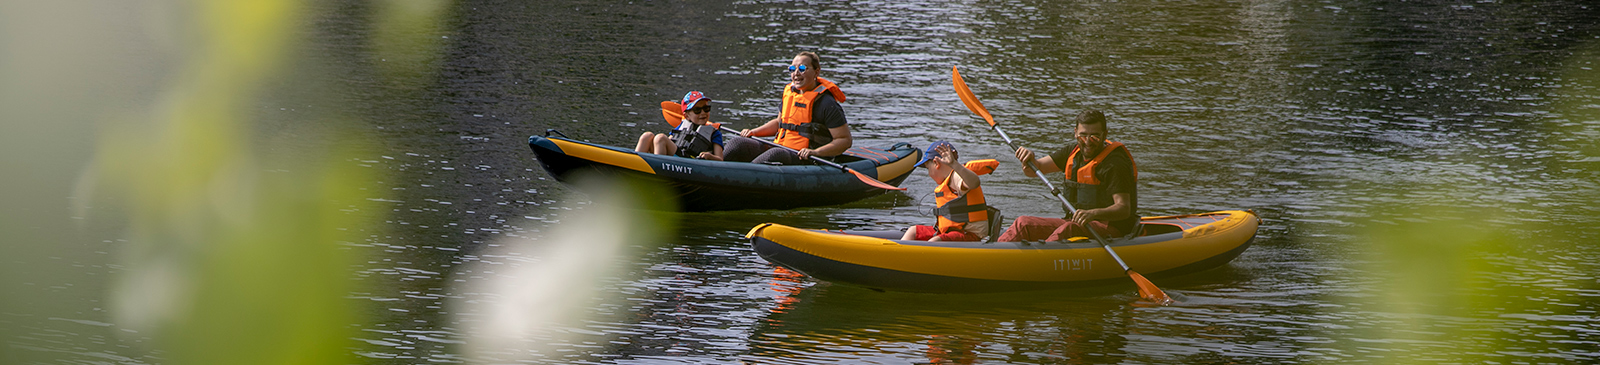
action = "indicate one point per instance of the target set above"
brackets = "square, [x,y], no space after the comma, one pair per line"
[673,112]
[1147,289]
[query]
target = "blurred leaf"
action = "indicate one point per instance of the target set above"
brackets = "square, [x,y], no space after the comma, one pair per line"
[529,304]
[231,261]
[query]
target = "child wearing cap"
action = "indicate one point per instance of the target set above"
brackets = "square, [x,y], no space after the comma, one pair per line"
[699,138]
[960,210]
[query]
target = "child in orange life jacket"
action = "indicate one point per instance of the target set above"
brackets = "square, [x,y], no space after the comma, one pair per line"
[695,137]
[961,212]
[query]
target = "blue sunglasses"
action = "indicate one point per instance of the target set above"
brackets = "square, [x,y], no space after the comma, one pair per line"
[801,68]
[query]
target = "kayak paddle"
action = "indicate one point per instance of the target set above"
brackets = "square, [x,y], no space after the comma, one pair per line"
[673,112]
[1147,289]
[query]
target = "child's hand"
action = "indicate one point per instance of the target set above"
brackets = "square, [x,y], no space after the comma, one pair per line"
[947,155]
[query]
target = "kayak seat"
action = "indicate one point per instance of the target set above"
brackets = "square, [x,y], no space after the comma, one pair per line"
[1138,230]
[995,220]
[1151,229]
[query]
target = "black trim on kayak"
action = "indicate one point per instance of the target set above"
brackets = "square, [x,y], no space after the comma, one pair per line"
[1207,264]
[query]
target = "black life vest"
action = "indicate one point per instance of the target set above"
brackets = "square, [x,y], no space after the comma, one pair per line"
[691,142]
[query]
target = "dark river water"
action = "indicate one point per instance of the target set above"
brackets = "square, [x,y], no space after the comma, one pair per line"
[1426,172]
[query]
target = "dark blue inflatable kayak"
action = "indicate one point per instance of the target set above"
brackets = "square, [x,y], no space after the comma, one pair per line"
[703,185]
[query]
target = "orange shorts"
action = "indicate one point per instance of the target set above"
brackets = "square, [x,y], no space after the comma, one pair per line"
[925,233]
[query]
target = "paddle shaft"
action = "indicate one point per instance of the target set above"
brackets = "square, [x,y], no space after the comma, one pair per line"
[860,176]
[786,148]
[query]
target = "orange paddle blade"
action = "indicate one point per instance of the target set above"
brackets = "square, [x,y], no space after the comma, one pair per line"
[871,181]
[1148,290]
[968,98]
[672,112]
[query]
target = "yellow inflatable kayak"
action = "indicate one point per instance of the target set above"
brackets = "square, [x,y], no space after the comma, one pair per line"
[1164,246]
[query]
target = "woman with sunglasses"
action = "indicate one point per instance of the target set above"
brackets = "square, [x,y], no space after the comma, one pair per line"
[695,139]
[811,122]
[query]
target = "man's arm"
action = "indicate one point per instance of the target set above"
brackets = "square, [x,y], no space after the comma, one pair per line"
[1046,164]
[1117,211]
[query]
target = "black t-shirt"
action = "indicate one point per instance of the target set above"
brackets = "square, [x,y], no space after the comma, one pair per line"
[826,113]
[1116,177]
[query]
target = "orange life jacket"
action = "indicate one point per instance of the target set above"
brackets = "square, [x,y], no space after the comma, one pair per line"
[797,131]
[1084,180]
[955,211]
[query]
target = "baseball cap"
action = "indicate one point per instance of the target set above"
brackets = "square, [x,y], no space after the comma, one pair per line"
[933,150]
[692,98]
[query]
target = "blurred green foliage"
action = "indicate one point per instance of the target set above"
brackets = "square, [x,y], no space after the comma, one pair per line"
[1460,274]
[134,122]
[229,262]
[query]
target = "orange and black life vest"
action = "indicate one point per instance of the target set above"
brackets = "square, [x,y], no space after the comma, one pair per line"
[797,130]
[1083,180]
[955,211]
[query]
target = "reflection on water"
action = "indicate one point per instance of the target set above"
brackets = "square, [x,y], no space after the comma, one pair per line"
[1426,174]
